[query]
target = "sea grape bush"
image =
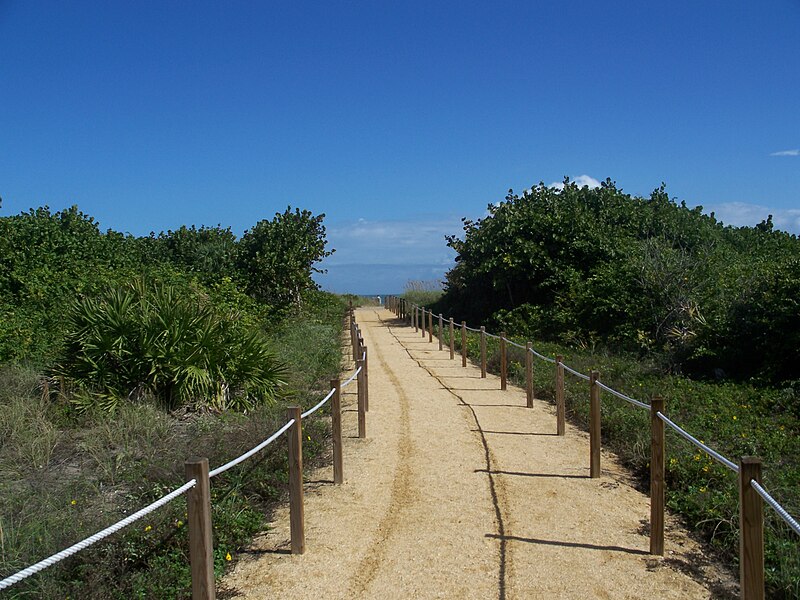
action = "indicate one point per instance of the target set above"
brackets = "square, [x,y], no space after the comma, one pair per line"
[591,266]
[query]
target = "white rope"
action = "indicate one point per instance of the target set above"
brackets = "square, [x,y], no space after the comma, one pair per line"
[713,453]
[250,453]
[471,329]
[623,396]
[47,562]
[491,335]
[790,520]
[352,377]
[319,405]
[574,372]
[515,344]
[543,357]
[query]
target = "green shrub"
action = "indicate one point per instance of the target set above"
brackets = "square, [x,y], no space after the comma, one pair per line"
[154,339]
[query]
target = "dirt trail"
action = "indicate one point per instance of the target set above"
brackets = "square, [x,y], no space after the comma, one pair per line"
[460,491]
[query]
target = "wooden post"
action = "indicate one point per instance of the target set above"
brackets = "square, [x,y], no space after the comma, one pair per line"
[561,411]
[441,331]
[366,379]
[452,340]
[353,339]
[336,431]
[463,343]
[430,326]
[201,546]
[594,425]
[529,374]
[362,417]
[294,436]
[656,477]
[503,361]
[423,322]
[751,531]
[483,352]
[414,317]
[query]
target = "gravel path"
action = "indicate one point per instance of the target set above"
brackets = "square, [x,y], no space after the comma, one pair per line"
[459,491]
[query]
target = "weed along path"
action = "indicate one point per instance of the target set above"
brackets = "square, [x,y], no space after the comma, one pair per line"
[461,491]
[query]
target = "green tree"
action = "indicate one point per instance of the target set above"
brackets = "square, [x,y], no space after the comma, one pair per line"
[277,257]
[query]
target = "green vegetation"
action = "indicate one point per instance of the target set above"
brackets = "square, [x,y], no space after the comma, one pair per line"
[598,266]
[147,339]
[120,357]
[647,292]
[423,293]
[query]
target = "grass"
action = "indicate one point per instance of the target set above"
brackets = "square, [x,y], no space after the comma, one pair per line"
[734,419]
[422,297]
[64,475]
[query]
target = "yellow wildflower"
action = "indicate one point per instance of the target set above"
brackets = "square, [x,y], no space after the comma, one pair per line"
[228,556]
[734,417]
[179,523]
[697,457]
[74,502]
[702,490]
[705,469]
[148,528]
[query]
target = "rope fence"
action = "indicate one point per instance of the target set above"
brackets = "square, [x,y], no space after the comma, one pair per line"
[93,539]
[690,438]
[751,492]
[199,476]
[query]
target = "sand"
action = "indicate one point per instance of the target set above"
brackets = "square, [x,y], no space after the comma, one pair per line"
[460,491]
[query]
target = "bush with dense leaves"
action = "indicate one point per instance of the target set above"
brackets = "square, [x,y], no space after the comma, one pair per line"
[587,265]
[148,339]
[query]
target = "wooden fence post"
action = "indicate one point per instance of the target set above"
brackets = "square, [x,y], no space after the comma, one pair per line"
[201,545]
[452,340]
[483,352]
[423,322]
[657,451]
[463,343]
[366,379]
[594,425]
[751,531]
[503,361]
[430,326]
[529,374]
[441,331]
[362,417]
[561,411]
[336,431]
[414,314]
[294,437]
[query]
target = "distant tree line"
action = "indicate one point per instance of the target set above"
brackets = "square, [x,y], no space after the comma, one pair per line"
[598,266]
[178,315]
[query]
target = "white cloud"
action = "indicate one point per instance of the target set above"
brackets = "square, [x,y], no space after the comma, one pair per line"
[400,242]
[580,181]
[795,152]
[381,256]
[741,214]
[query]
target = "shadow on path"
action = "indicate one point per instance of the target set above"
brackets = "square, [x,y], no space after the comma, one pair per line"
[568,544]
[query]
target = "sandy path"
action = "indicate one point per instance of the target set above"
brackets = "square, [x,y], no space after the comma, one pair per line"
[459,491]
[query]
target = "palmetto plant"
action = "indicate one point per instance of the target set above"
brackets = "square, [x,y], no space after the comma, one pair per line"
[150,339]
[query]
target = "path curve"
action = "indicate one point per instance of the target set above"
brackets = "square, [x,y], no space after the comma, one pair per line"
[460,491]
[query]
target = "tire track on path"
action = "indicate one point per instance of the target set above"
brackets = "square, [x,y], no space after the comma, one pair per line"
[402,492]
[497,487]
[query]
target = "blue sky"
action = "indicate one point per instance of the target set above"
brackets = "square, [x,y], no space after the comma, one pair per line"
[394,119]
